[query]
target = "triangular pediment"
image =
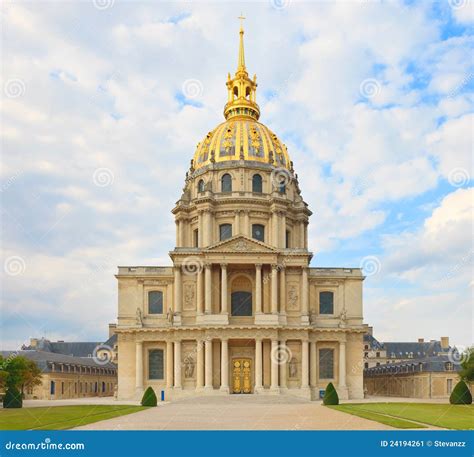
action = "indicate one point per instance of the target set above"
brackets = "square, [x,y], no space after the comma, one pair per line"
[240,243]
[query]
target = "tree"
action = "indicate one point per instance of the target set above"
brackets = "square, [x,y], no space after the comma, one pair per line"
[330,395]
[467,365]
[20,373]
[149,397]
[460,394]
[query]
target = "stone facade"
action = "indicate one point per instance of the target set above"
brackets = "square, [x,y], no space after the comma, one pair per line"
[240,310]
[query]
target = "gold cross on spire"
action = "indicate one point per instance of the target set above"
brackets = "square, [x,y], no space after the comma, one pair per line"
[241,65]
[241,17]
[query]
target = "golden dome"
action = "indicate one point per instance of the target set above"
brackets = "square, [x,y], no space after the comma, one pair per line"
[241,136]
[241,139]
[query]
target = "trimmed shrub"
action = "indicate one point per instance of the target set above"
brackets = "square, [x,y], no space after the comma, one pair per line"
[12,398]
[460,394]
[149,397]
[330,395]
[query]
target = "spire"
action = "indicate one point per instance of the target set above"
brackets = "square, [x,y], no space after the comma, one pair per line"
[241,90]
[241,65]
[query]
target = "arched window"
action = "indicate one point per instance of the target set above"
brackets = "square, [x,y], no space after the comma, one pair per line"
[326,303]
[225,231]
[155,302]
[226,183]
[201,185]
[258,232]
[257,184]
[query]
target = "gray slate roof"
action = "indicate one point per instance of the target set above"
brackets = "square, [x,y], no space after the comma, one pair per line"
[428,364]
[112,341]
[44,358]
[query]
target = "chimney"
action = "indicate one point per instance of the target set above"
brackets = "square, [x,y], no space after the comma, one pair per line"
[370,331]
[34,343]
[421,340]
[112,328]
[445,342]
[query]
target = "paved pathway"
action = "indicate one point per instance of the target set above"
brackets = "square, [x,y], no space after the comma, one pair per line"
[239,412]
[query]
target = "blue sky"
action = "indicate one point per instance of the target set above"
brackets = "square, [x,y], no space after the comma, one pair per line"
[104,102]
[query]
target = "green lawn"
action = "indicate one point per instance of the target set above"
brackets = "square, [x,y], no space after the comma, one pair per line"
[459,417]
[60,417]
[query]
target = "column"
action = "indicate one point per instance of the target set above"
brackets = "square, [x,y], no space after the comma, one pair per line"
[305,227]
[304,364]
[224,309]
[274,288]
[207,288]
[208,227]
[275,229]
[304,291]
[312,364]
[247,223]
[258,364]
[283,366]
[208,365]
[177,232]
[199,364]
[180,233]
[258,288]
[199,300]
[282,224]
[274,366]
[139,366]
[237,223]
[302,234]
[225,365]
[177,289]
[177,364]
[282,289]
[342,364]
[169,364]
[200,229]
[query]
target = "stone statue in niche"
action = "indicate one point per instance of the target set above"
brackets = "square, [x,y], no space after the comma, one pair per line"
[139,317]
[293,368]
[189,296]
[292,297]
[170,316]
[189,367]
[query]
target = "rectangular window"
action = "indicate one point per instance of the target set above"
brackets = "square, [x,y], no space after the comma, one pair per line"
[326,303]
[326,364]
[52,388]
[155,302]
[449,386]
[287,239]
[196,238]
[155,364]
[258,232]
[225,231]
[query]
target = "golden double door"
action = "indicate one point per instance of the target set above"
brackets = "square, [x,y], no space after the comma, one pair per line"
[242,376]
